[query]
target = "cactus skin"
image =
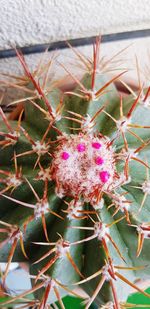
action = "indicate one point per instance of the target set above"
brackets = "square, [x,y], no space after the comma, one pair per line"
[68,231]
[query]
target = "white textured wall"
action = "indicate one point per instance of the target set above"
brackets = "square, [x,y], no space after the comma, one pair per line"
[26,22]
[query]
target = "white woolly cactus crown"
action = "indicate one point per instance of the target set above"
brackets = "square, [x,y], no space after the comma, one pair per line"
[82,166]
[75,187]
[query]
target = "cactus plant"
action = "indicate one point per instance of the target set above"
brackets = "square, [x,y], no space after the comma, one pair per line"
[75,188]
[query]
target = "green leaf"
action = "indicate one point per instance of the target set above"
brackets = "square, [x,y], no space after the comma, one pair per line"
[139,299]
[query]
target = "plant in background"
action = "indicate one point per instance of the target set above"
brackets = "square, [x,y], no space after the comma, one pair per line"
[75,187]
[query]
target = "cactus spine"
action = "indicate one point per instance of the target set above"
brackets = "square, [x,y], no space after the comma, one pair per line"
[75,188]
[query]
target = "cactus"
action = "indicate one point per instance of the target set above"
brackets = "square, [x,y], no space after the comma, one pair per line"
[75,188]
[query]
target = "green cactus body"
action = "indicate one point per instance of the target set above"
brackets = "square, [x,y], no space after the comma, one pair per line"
[75,190]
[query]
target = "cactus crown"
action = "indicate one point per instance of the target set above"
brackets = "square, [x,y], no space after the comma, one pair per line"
[75,187]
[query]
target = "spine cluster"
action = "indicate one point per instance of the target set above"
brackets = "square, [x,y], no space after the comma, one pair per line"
[83,190]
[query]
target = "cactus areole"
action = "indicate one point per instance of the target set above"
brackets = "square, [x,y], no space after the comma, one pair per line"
[82,166]
[75,187]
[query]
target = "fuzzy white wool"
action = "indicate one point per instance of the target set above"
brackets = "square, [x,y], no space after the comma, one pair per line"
[62,247]
[44,174]
[145,231]
[76,168]
[101,230]
[15,236]
[14,181]
[40,148]
[13,137]
[41,208]
[121,202]
[146,187]
[122,124]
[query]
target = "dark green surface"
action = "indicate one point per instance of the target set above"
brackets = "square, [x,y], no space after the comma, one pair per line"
[124,236]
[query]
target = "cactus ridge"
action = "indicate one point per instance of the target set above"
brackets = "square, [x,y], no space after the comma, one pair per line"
[75,187]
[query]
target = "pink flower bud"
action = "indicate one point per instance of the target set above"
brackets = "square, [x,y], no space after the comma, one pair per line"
[96,145]
[65,155]
[81,147]
[104,176]
[99,160]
